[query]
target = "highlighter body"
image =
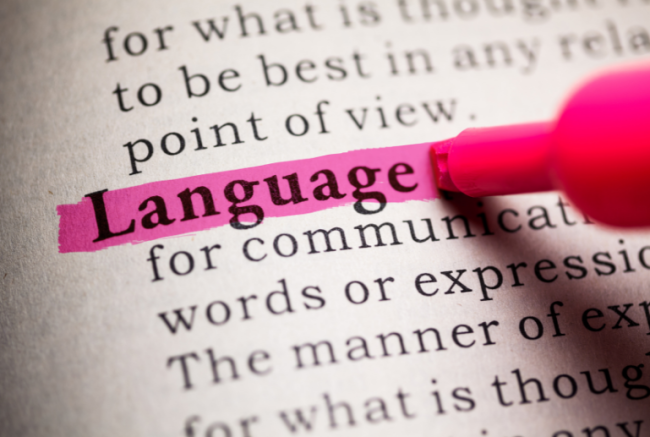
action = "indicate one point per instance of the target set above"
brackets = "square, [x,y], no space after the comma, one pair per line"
[597,151]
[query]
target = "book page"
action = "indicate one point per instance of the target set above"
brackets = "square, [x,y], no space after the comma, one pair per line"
[219,219]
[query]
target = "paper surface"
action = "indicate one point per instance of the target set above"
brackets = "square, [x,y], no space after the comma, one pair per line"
[426,318]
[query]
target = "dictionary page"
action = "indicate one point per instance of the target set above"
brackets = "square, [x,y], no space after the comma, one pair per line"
[208,227]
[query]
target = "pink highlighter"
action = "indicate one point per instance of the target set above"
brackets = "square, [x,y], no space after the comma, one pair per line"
[597,152]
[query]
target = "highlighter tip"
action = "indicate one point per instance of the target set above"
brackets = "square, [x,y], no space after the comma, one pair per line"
[439,153]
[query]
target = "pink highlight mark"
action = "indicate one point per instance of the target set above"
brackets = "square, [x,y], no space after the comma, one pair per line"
[78,226]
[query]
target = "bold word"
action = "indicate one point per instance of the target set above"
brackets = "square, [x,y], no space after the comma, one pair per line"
[368,179]
[324,186]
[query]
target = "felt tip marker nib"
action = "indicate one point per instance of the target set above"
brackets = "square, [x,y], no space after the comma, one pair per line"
[597,151]
[439,155]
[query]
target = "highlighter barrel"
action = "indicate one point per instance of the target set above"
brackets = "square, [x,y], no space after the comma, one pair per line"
[495,161]
[597,151]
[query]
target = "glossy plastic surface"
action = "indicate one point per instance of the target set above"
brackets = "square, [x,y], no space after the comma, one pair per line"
[501,160]
[601,151]
[598,152]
